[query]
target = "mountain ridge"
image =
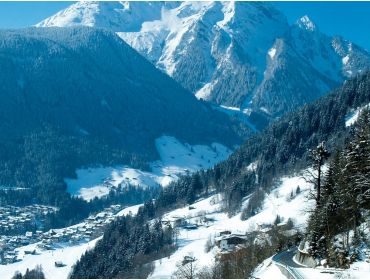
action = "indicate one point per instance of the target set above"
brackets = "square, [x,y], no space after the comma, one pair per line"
[220,51]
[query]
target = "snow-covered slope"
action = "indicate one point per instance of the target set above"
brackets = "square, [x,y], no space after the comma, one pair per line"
[241,54]
[277,202]
[268,270]
[117,16]
[47,259]
[352,117]
[176,158]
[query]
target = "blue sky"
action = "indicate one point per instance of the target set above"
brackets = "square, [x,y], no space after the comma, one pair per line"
[349,19]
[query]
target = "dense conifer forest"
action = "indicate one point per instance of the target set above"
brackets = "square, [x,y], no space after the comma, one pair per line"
[54,121]
[344,202]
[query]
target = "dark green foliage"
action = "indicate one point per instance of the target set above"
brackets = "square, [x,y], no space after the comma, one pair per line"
[298,190]
[277,220]
[318,156]
[41,161]
[345,196]
[254,204]
[36,273]
[77,97]
[128,246]
[75,209]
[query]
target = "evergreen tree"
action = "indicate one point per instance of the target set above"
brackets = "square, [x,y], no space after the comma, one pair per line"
[318,156]
[298,190]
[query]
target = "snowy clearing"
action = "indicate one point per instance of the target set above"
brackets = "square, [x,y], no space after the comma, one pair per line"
[352,117]
[175,158]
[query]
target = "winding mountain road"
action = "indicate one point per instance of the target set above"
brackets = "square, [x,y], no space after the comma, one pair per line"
[284,260]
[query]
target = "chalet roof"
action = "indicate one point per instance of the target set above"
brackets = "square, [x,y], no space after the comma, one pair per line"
[231,236]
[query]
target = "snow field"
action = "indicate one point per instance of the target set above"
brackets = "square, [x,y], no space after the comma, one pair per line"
[65,253]
[175,158]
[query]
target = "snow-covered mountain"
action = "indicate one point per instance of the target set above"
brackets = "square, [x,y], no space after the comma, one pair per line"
[241,54]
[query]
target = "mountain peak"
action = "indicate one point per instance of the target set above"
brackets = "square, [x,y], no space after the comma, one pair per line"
[116,16]
[306,23]
[218,49]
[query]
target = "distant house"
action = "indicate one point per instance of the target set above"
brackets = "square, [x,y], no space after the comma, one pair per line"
[59,264]
[228,242]
[190,226]
[166,222]
[224,232]
[30,252]
[264,227]
[179,221]
[116,208]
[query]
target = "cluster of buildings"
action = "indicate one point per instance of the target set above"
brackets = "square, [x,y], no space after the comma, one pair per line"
[9,244]
[228,242]
[89,229]
[18,220]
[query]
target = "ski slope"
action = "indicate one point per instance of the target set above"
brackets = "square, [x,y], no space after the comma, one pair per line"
[175,158]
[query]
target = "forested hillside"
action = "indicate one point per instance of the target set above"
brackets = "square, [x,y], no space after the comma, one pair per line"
[282,148]
[74,97]
[127,248]
[334,233]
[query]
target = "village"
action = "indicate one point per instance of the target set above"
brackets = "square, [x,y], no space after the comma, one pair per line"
[17,220]
[89,229]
